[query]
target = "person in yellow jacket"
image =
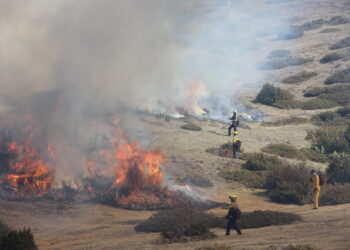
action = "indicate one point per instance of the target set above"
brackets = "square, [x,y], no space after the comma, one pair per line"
[236,144]
[316,187]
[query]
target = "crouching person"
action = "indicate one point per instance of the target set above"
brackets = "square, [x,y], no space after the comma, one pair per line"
[233,215]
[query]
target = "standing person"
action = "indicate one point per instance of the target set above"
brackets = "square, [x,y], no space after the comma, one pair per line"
[234,123]
[316,187]
[236,144]
[233,215]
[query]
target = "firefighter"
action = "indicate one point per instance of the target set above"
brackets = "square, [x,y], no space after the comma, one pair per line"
[316,187]
[234,123]
[236,144]
[233,215]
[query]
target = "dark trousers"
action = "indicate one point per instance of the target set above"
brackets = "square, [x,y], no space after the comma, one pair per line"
[231,223]
[232,126]
[234,151]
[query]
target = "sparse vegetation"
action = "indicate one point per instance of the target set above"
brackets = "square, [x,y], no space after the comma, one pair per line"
[331,57]
[284,150]
[340,117]
[289,184]
[252,179]
[191,126]
[344,43]
[342,76]
[329,30]
[317,103]
[280,63]
[288,121]
[339,94]
[18,240]
[301,77]
[260,161]
[274,96]
[278,53]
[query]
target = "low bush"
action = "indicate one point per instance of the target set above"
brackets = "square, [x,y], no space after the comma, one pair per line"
[179,224]
[288,121]
[274,96]
[4,228]
[330,58]
[317,103]
[191,126]
[280,63]
[196,179]
[329,30]
[18,239]
[335,194]
[340,117]
[314,155]
[338,20]
[328,139]
[344,43]
[250,179]
[260,161]
[289,184]
[339,94]
[301,77]
[278,53]
[284,150]
[342,76]
[315,24]
[339,169]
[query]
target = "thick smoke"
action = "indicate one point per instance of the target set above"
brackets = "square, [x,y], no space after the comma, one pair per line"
[69,61]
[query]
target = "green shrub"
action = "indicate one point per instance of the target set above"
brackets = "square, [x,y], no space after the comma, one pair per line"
[335,194]
[330,58]
[339,94]
[18,240]
[196,179]
[280,63]
[342,76]
[329,30]
[314,155]
[278,53]
[328,139]
[317,103]
[301,77]
[251,179]
[289,184]
[288,121]
[260,161]
[177,224]
[339,118]
[191,126]
[339,169]
[344,43]
[284,150]
[274,96]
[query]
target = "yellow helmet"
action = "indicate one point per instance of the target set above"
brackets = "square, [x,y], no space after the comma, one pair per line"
[232,197]
[234,111]
[235,132]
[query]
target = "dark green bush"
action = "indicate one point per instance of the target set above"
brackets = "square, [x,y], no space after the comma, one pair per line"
[339,169]
[313,92]
[251,179]
[18,240]
[288,121]
[335,194]
[260,161]
[280,63]
[289,184]
[301,77]
[274,96]
[284,150]
[278,53]
[329,139]
[344,43]
[342,76]
[330,58]
[191,126]
[317,103]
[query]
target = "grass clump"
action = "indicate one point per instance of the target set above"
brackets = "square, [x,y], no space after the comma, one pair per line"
[317,103]
[278,53]
[18,239]
[250,179]
[342,76]
[288,121]
[289,184]
[339,94]
[196,179]
[329,30]
[260,161]
[344,43]
[301,77]
[280,63]
[284,150]
[191,126]
[275,96]
[331,57]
